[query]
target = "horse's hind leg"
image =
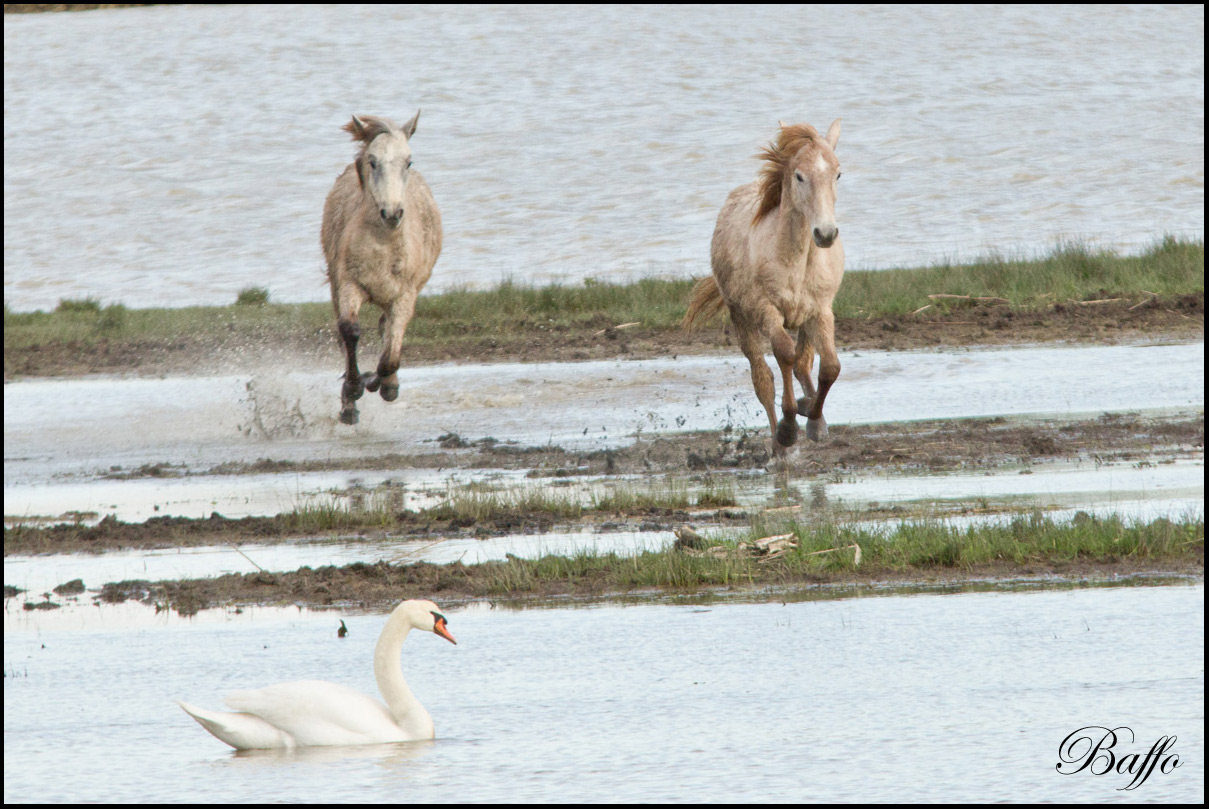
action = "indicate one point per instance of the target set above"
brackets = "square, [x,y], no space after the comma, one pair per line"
[394,326]
[823,334]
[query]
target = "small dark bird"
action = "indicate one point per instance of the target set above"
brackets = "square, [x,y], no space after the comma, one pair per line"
[342,631]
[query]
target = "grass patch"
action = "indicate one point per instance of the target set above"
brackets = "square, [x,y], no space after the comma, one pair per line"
[1027,543]
[1072,272]
[252,296]
[508,312]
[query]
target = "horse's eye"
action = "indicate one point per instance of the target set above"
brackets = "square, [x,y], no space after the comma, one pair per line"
[798,176]
[373,164]
[838,176]
[409,164]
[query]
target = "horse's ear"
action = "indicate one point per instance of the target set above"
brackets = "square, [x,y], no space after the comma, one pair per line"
[781,123]
[356,128]
[409,128]
[833,133]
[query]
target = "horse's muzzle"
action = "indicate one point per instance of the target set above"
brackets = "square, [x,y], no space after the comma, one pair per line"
[825,237]
[392,216]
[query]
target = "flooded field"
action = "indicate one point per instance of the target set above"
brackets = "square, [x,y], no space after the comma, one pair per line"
[898,698]
[804,692]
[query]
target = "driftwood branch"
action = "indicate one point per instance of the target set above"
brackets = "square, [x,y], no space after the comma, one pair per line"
[1153,297]
[617,328]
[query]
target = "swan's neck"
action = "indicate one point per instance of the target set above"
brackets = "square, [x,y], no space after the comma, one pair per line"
[403,704]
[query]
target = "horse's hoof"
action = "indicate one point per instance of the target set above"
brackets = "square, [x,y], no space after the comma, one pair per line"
[352,390]
[370,380]
[787,431]
[816,429]
[390,392]
[350,416]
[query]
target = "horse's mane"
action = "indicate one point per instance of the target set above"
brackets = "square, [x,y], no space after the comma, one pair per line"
[371,127]
[776,157]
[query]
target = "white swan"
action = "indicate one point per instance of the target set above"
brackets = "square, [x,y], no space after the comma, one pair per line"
[315,713]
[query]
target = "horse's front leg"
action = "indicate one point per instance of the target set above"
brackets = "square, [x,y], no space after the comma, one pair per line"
[786,355]
[348,307]
[351,390]
[394,326]
[822,334]
[752,345]
[802,367]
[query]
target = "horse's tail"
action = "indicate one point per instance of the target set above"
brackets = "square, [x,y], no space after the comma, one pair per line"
[706,301]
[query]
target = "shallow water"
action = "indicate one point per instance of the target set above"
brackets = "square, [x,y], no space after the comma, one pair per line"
[39,574]
[1086,484]
[58,431]
[174,155]
[897,698]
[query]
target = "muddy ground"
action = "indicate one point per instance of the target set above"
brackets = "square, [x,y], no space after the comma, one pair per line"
[895,448]
[965,324]
[378,586]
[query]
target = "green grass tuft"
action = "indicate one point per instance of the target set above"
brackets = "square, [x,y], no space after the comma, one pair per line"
[252,296]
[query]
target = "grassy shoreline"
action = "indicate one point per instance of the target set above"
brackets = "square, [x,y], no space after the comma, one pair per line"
[990,301]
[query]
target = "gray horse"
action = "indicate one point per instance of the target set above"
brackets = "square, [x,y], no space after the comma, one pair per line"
[381,237]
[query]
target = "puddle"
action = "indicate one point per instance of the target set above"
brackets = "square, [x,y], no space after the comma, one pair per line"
[806,701]
[237,496]
[1176,481]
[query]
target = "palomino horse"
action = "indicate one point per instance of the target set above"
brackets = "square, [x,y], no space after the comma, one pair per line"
[381,235]
[777,262]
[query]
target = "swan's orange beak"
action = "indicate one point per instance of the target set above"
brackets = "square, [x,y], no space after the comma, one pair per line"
[442,630]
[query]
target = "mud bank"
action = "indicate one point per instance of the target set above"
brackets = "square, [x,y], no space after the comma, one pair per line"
[377,586]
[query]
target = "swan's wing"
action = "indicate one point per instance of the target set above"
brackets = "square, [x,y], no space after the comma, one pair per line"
[240,730]
[314,712]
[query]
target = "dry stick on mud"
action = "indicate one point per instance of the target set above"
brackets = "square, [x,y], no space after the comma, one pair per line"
[381,237]
[777,261]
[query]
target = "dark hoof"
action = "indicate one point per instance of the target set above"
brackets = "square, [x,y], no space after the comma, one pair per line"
[787,431]
[390,392]
[352,390]
[350,416]
[370,380]
[816,429]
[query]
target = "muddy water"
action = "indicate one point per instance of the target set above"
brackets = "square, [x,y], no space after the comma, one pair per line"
[900,698]
[58,429]
[193,145]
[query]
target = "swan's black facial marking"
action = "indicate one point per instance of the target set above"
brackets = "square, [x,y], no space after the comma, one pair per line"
[439,627]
